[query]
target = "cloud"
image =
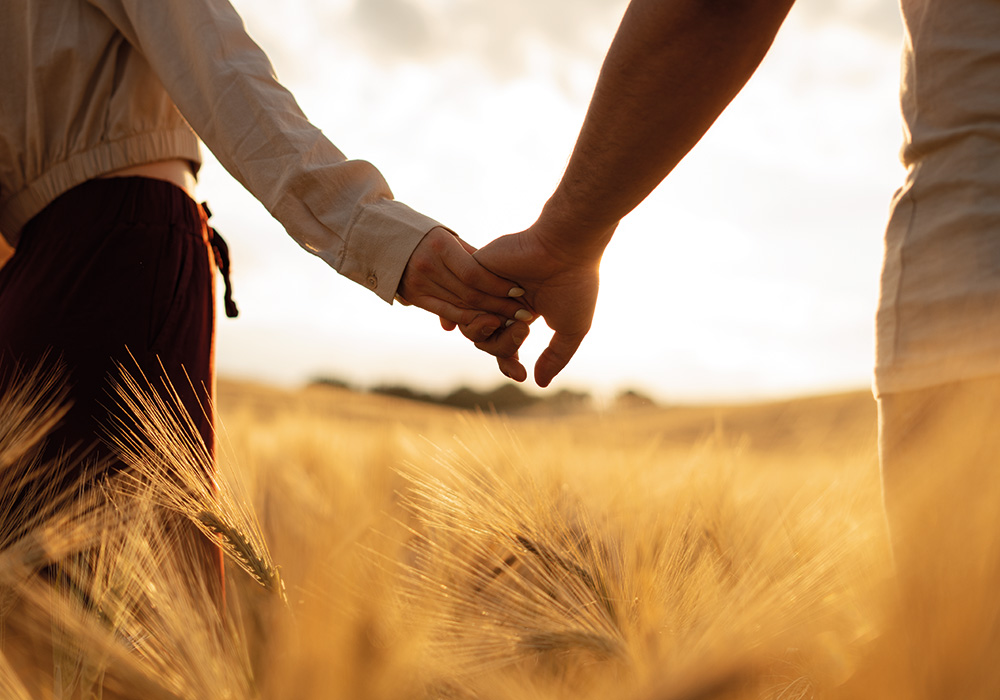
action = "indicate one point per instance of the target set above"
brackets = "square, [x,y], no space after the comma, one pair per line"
[500,35]
[396,27]
[497,35]
[507,39]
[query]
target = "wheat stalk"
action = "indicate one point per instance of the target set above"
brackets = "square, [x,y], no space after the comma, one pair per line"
[33,489]
[505,574]
[140,609]
[33,404]
[164,449]
[129,607]
[11,686]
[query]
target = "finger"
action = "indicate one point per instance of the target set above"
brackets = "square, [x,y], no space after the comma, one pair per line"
[556,356]
[443,267]
[481,287]
[439,246]
[435,285]
[448,325]
[507,342]
[512,368]
[481,328]
[474,324]
[471,300]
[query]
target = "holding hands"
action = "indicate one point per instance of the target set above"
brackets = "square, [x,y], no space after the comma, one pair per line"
[471,290]
[655,98]
[560,285]
[442,277]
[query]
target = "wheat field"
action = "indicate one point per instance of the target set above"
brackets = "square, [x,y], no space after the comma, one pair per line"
[378,548]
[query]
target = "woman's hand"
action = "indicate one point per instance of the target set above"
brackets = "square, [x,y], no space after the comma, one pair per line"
[442,277]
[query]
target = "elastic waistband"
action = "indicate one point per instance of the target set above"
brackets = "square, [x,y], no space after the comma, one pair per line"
[107,202]
[17,209]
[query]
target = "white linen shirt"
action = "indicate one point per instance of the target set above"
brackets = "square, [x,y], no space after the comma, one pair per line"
[939,310]
[93,86]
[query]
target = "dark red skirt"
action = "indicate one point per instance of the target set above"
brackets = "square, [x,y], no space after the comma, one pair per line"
[116,272]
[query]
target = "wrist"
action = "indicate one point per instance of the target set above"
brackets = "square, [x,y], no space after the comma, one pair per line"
[569,234]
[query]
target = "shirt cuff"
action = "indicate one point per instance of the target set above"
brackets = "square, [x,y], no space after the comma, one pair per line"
[379,244]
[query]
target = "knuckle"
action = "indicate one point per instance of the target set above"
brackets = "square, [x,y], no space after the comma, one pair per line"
[438,242]
[474,297]
[467,318]
[470,274]
[424,266]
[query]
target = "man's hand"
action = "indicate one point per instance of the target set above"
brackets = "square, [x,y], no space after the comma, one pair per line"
[442,277]
[655,98]
[560,285]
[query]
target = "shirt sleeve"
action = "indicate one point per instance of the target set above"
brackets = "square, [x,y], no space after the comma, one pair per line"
[224,85]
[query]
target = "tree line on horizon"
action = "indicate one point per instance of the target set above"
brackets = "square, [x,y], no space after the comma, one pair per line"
[507,397]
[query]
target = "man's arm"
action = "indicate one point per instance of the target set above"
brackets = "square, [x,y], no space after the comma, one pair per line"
[672,68]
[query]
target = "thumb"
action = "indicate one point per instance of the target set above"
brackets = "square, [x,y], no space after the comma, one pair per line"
[556,356]
[469,248]
[500,253]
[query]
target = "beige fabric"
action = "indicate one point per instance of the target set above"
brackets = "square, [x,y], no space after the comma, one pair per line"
[939,309]
[91,86]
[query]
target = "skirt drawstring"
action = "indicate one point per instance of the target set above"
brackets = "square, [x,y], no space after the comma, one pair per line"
[221,251]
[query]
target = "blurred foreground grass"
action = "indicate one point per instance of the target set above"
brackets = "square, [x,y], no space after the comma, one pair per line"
[447,554]
[657,552]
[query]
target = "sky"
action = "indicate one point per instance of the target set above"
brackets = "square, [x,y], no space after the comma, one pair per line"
[751,272]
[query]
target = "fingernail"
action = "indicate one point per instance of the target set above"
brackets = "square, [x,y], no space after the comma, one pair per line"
[515,292]
[523,315]
[519,338]
[509,323]
[488,331]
